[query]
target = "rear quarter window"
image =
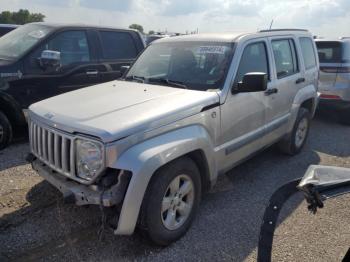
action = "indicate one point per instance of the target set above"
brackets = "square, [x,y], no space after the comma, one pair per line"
[117,45]
[329,51]
[307,49]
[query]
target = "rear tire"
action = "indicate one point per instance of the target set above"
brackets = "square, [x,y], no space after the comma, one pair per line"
[5,131]
[345,117]
[171,201]
[295,141]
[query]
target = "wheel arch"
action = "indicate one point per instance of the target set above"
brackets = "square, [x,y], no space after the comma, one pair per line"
[11,109]
[144,159]
[199,158]
[306,98]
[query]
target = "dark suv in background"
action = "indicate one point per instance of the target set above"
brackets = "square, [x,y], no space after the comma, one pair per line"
[5,28]
[40,60]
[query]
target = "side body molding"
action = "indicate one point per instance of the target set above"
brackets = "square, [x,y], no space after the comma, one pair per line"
[145,158]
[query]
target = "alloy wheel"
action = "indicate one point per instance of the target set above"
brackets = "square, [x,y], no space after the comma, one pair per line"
[301,132]
[177,202]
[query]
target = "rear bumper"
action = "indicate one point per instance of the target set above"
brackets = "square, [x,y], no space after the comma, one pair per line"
[334,104]
[82,194]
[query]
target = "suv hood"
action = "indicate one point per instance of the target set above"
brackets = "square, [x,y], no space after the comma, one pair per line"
[118,109]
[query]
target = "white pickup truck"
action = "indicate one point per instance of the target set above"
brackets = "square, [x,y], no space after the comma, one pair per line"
[189,108]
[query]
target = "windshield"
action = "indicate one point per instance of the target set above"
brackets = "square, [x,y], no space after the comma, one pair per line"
[192,65]
[20,40]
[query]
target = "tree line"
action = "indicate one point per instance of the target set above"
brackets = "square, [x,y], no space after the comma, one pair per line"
[140,29]
[21,17]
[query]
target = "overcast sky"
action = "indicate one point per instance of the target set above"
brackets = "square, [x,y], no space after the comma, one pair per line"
[329,18]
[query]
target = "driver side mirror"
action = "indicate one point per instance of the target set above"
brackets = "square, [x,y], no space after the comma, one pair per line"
[50,59]
[251,82]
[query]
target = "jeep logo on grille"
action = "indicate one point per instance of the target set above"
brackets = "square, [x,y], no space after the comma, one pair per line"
[49,115]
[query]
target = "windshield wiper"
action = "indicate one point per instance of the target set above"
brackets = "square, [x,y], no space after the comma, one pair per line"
[168,82]
[137,78]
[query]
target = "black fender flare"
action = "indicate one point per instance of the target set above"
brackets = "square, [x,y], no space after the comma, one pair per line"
[11,108]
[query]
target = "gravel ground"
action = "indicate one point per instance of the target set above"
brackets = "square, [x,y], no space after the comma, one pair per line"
[36,225]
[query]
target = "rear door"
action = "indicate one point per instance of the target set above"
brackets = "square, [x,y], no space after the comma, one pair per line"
[117,48]
[309,59]
[287,79]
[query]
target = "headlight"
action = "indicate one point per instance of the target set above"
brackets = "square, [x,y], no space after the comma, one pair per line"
[89,158]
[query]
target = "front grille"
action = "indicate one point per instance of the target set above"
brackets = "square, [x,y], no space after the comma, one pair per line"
[54,148]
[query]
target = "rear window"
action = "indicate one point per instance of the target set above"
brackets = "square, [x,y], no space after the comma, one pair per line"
[329,52]
[5,30]
[117,45]
[307,49]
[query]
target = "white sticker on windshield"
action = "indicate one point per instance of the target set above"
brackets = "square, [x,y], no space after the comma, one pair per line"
[212,49]
[37,34]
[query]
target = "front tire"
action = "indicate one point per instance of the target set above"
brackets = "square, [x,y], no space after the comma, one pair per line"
[295,141]
[171,201]
[5,131]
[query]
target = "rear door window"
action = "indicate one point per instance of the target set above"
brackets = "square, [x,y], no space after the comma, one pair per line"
[329,51]
[307,49]
[117,45]
[285,57]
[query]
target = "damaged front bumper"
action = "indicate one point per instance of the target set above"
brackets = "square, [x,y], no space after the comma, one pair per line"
[79,194]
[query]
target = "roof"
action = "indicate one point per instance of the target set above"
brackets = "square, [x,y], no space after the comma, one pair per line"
[62,25]
[224,37]
[8,26]
[339,40]
[233,37]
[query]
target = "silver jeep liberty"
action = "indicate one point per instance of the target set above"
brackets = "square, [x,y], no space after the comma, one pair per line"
[190,108]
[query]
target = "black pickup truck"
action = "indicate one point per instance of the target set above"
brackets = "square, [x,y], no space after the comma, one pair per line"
[40,60]
[5,28]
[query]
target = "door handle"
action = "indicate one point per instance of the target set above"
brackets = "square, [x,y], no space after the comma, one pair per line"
[271,91]
[91,72]
[300,80]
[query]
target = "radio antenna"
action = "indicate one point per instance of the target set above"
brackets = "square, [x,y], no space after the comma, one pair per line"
[271,24]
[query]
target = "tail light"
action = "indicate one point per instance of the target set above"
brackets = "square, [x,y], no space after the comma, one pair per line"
[330,97]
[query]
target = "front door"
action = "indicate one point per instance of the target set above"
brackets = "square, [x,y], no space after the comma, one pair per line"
[79,68]
[243,114]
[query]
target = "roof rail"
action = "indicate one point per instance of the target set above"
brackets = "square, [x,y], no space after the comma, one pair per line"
[344,37]
[282,29]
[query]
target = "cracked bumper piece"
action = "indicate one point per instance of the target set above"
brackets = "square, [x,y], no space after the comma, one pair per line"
[82,194]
